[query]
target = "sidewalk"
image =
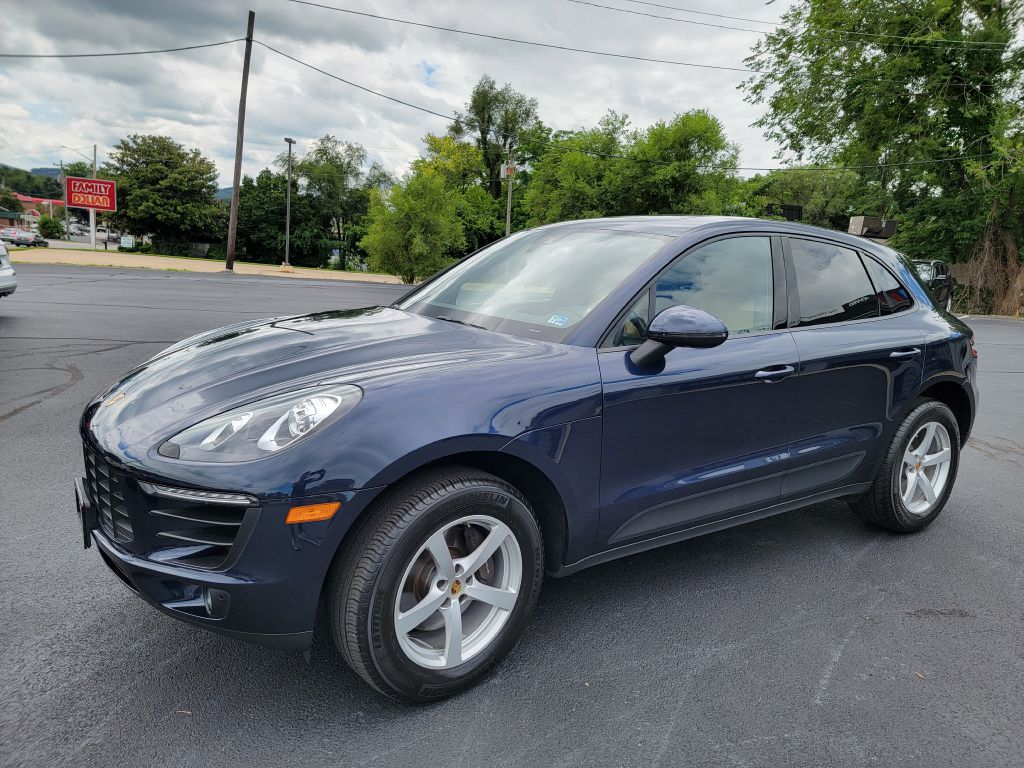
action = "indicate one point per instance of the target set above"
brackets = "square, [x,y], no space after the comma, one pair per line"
[148,261]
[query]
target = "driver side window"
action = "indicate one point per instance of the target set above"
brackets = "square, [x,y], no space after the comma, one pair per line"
[731,279]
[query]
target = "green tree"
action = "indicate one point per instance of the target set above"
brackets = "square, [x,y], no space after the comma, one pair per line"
[413,227]
[28,183]
[261,219]
[331,173]
[828,198]
[684,166]
[862,83]
[459,163]
[460,166]
[51,228]
[8,202]
[163,190]
[496,119]
[569,178]
[79,168]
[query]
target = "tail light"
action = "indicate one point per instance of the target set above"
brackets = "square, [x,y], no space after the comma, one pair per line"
[974,351]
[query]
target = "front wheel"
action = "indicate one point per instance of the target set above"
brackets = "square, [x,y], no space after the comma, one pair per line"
[437,584]
[917,474]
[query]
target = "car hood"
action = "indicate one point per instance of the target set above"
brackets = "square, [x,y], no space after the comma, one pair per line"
[215,371]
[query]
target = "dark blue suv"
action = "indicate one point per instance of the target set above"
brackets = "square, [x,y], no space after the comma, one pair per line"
[566,396]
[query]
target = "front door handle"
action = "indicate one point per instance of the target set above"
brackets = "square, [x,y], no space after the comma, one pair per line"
[774,373]
[903,354]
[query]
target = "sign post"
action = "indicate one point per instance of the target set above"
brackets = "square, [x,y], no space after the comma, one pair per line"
[94,194]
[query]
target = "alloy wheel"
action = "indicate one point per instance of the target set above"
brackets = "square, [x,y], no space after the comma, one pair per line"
[458,591]
[925,469]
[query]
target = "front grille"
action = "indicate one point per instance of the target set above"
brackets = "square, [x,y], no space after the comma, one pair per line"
[106,489]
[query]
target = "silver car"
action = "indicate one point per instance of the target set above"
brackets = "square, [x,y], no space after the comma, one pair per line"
[7,282]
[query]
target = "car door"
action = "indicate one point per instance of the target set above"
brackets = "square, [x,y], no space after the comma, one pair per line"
[861,362]
[704,436]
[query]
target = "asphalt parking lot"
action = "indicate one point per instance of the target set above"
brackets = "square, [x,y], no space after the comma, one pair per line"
[807,639]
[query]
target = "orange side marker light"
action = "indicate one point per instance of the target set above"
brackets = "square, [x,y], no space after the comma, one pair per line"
[311,513]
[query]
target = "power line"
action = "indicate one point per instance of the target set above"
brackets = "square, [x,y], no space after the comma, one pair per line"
[523,42]
[743,70]
[762,32]
[349,82]
[910,38]
[115,53]
[564,148]
[702,13]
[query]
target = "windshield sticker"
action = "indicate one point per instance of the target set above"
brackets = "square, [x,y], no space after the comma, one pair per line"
[559,320]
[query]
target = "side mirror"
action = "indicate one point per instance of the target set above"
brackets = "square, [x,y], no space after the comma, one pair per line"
[678,326]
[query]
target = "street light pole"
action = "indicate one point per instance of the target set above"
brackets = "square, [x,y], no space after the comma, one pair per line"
[287,267]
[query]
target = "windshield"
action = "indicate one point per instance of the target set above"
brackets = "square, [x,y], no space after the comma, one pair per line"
[538,284]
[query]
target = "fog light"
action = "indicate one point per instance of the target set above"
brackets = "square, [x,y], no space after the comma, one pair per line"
[311,513]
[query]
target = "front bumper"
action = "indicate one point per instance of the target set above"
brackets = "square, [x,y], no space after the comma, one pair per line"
[265,588]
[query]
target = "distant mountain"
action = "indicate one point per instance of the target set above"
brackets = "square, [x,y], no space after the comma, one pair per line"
[53,173]
[223,194]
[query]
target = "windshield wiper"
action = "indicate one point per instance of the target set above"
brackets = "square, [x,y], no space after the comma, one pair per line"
[460,322]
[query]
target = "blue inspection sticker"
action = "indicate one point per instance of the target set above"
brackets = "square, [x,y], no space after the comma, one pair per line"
[560,320]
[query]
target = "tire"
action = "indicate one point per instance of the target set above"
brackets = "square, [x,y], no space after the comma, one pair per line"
[897,499]
[390,567]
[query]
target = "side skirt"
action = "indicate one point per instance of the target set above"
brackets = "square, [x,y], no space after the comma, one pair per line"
[709,527]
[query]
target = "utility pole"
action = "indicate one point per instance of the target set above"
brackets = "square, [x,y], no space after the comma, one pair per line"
[64,186]
[233,220]
[287,267]
[509,176]
[92,211]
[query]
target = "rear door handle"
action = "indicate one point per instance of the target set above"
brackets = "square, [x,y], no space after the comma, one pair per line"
[903,354]
[774,372]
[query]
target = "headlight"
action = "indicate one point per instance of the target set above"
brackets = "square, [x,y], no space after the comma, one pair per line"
[264,427]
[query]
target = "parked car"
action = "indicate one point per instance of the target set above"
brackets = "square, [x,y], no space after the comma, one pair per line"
[935,275]
[113,237]
[8,283]
[15,236]
[39,240]
[564,397]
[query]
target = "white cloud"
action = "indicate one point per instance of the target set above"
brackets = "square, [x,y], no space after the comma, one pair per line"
[193,96]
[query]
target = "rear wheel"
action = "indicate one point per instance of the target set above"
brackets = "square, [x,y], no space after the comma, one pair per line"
[917,474]
[437,585]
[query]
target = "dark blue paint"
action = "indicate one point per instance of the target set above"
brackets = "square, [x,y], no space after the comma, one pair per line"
[637,456]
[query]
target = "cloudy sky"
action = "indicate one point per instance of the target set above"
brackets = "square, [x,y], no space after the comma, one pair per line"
[193,96]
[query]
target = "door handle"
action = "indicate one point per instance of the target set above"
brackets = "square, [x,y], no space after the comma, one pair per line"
[774,372]
[903,354]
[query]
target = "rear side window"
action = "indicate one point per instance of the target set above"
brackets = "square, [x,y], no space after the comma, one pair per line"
[892,296]
[831,283]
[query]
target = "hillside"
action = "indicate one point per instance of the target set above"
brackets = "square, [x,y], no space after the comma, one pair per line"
[29,183]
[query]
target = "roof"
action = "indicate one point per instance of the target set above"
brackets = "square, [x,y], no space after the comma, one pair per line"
[655,225]
[29,199]
[675,226]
